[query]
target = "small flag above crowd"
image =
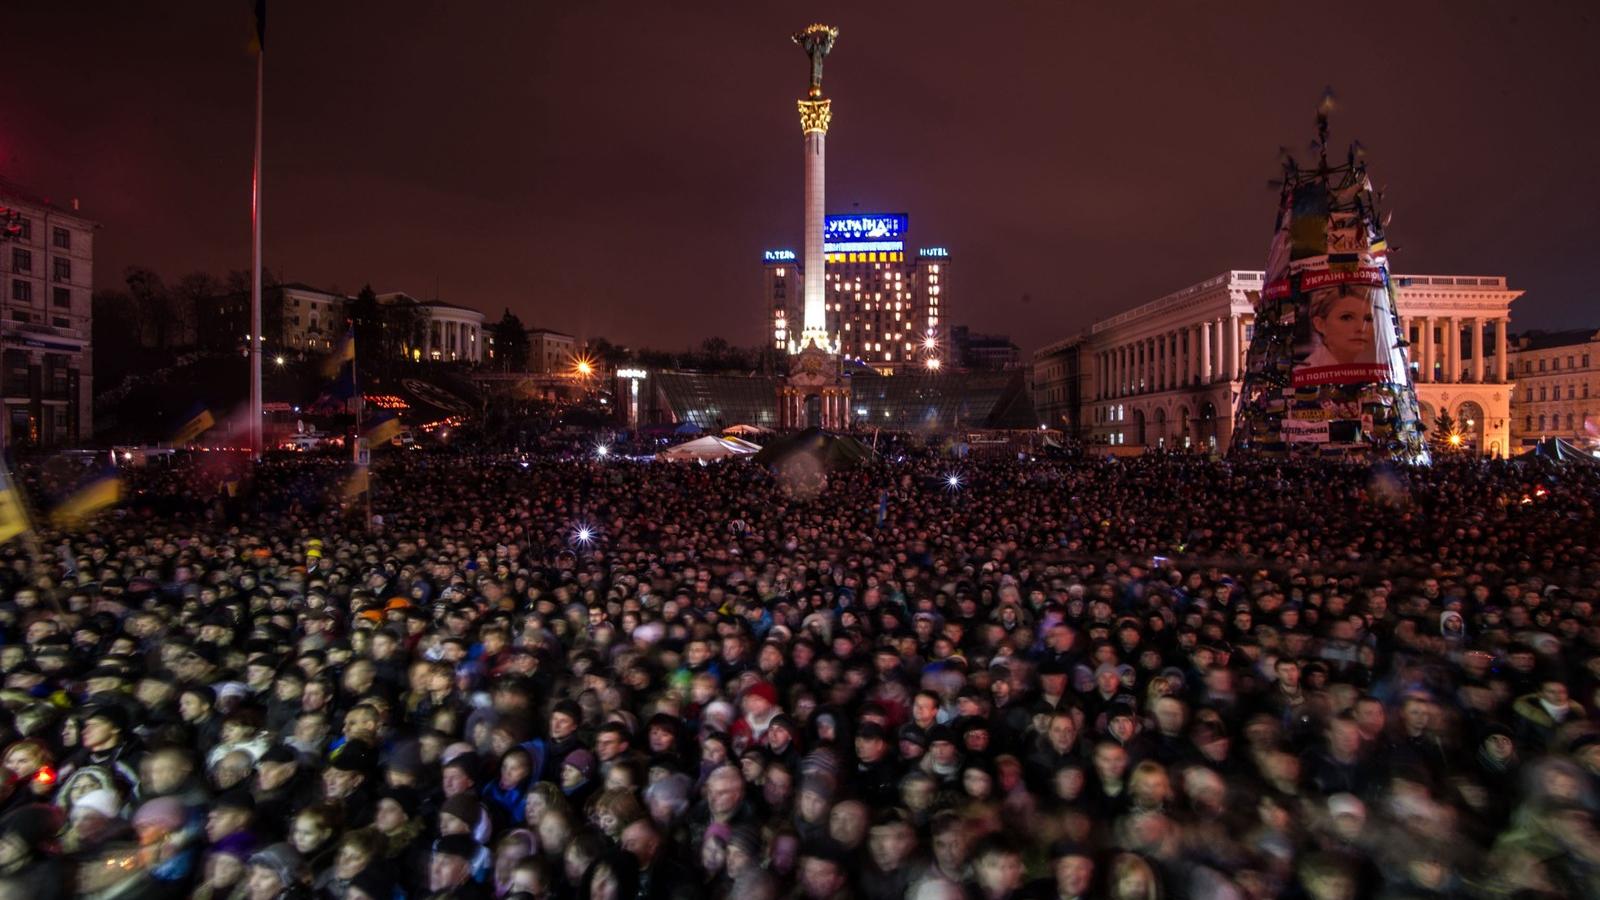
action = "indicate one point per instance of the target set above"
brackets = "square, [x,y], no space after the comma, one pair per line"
[100,491]
[197,425]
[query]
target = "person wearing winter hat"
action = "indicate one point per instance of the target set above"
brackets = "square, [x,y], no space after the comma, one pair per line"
[759,705]
[276,873]
[566,718]
[404,831]
[577,777]
[226,866]
[93,819]
[451,870]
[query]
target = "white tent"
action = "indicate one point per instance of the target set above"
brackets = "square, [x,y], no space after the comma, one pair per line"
[746,430]
[707,448]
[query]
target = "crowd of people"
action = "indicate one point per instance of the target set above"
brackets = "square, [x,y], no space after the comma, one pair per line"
[592,679]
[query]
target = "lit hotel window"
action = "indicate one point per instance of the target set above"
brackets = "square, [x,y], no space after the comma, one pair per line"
[780,273]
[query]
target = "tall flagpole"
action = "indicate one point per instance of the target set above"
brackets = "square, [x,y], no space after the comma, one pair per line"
[255,264]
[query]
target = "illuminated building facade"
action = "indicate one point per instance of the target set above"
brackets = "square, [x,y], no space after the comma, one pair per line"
[887,304]
[1558,386]
[48,372]
[1167,374]
[550,352]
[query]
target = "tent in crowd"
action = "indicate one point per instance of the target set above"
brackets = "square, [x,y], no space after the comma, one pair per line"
[708,449]
[746,430]
[833,451]
[1557,450]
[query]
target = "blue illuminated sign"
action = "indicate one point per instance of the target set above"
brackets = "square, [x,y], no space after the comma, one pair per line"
[778,256]
[865,227]
[863,246]
[933,251]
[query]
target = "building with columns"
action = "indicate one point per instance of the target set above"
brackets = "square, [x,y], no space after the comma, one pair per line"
[1558,387]
[451,333]
[1167,374]
[447,332]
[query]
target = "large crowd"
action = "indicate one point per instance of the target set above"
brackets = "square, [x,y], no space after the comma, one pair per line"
[529,676]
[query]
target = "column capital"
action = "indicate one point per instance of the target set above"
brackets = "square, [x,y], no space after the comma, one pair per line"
[815,115]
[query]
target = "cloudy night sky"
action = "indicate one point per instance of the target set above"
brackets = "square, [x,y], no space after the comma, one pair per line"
[615,169]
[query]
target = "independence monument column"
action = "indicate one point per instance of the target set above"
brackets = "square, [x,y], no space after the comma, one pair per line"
[815,394]
[815,113]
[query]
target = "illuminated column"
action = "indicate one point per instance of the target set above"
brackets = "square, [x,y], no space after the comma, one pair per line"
[1231,346]
[814,117]
[1501,366]
[1205,352]
[1452,350]
[1477,350]
[816,112]
[1428,351]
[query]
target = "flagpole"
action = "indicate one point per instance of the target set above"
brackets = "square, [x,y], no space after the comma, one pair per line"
[256,441]
[357,439]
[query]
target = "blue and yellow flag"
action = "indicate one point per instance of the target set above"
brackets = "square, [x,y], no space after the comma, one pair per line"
[13,514]
[356,484]
[382,428]
[197,425]
[98,493]
[345,352]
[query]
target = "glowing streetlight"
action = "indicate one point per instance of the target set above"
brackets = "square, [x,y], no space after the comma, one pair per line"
[584,368]
[279,360]
[933,363]
[929,342]
[602,451]
[1455,440]
[952,481]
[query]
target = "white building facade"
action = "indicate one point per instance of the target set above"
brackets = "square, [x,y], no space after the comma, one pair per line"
[451,333]
[1167,374]
[46,360]
[1558,387]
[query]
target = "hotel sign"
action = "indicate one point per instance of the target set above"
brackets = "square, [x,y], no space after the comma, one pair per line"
[865,227]
[778,256]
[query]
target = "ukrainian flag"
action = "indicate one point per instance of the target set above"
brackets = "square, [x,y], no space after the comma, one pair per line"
[101,492]
[386,426]
[193,428]
[345,352]
[357,484]
[13,514]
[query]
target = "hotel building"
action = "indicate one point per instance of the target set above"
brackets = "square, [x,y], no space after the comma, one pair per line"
[887,305]
[1167,374]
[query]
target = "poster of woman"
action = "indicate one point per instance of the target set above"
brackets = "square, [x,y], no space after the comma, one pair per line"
[1339,338]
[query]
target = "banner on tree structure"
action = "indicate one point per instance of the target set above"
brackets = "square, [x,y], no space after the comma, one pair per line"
[1341,332]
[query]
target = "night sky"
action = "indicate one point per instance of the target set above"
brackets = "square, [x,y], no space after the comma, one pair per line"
[616,169]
